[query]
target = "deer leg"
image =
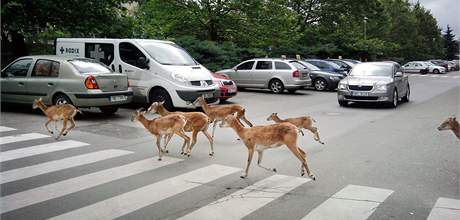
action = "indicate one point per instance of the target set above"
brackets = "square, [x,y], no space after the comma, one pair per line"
[296,150]
[46,126]
[214,128]
[72,122]
[64,127]
[315,132]
[167,139]
[194,134]
[160,151]
[250,153]
[301,132]
[211,142]
[260,154]
[182,134]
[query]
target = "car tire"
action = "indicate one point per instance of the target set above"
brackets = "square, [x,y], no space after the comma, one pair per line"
[436,71]
[61,99]
[222,100]
[320,84]
[292,91]
[394,102]
[343,103]
[108,110]
[158,95]
[276,86]
[406,98]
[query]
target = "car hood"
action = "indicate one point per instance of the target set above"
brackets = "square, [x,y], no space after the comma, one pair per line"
[191,73]
[353,80]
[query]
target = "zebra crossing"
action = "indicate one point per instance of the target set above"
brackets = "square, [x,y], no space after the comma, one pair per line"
[351,202]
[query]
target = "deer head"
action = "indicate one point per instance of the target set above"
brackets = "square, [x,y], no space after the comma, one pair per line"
[228,121]
[154,107]
[37,102]
[272,115]
[448,124]
[137,114]
[200,101]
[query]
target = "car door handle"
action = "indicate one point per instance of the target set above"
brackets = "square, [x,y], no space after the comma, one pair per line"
[129,71]
[50,84]
[119,68]
[20,83]
[113,68]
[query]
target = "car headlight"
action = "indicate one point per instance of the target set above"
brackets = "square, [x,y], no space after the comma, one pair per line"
[381,87]
[342,86]
[335,78]
[179,78]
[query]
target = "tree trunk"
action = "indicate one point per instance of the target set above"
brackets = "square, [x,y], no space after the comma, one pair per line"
[18,45]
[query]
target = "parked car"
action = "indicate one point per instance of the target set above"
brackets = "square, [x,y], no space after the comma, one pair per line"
[456,63]
[226,85]
[157,70]
[59,80]
[435,68]
[274,74]
[327,66]
[344,64]
[322,80]
[352,61]
[374,82]
[422,68]
[453,66]
[440,63]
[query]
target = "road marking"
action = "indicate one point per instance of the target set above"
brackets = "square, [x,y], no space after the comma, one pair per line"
[56,165]
[39,149]
[55,190]
[456,77]
[3,129]
[433,76]
[128,202]
[352,202]
[21,137]
[241,203]
[445,209]
[444,76]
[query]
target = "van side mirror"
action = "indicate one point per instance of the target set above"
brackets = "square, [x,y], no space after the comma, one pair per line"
[143,63]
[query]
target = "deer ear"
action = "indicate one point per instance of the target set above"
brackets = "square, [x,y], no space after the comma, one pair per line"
[40,99]
[162,102]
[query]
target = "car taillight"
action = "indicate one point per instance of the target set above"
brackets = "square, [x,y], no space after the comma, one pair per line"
[90,82]
[296,73]
[129,84]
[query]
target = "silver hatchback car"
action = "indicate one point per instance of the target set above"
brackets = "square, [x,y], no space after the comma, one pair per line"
[58,80]
[274,74]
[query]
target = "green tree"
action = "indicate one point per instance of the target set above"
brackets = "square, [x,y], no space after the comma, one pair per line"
[450,44]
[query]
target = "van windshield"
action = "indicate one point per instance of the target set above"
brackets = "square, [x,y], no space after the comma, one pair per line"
[89,66]
[168,54]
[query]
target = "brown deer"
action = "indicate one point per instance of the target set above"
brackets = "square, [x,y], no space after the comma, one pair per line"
[305,122]
[260,138]
[196,122]
[58,112]
[218,113]
[451,123]
[171,124]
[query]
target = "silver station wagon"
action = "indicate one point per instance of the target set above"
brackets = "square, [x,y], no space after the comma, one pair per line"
[374,82]
[275,74]
[58,80]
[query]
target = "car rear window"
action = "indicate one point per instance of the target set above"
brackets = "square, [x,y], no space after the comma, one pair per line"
[89,66]
[281,66]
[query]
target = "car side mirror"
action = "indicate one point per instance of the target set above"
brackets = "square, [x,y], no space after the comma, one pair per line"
[398,74]
[235,69]
[143,63]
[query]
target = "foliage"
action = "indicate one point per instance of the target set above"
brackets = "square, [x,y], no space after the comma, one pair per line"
[450,45]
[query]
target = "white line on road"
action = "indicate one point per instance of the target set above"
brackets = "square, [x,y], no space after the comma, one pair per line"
[241,203]
[445,209]
[3,129]
[434,76]
[21,137]
[39,149]
[352,202]
[56,165]
[55,190]
[128,202]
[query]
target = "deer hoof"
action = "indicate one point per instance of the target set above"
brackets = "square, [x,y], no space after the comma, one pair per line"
[64,134]
[166,151]
[159,159]
[188,155]
[211,154]
[181,153]
[51,132]
[312,177]
[274,170]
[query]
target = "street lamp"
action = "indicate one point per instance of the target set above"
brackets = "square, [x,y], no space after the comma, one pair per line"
[365,23]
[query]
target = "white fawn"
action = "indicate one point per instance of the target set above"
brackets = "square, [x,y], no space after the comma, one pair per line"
[56,113]
[196,122]
[171,124]
[260,138]
[451,123]
[219,112]
[305,122]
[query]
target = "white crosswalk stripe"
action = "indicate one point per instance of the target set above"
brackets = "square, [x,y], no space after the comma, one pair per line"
[352,202]
[58,189]
[21,137]
[243,202]
[56,165]
[445,209]
[128,202]
[3,129]
[40,149]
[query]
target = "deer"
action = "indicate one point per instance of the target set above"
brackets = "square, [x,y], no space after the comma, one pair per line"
[450,123]
[218,113]
[196,122]
[305,122]
[260,138]
[65,112]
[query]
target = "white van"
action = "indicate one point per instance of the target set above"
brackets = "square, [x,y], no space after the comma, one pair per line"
[157,70]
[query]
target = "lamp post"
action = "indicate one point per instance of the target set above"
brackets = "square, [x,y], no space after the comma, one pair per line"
[365,24]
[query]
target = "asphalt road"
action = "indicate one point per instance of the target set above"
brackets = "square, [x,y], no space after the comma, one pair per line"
[377,163]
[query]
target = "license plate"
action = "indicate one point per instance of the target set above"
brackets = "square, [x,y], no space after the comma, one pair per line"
[208,95]
[118,98]
[360,94]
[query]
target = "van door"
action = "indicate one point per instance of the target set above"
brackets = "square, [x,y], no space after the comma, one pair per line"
[130,63]
[102,52]
[44,79]
[14,81]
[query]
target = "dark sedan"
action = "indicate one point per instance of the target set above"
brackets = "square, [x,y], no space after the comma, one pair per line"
[327,66]
[322,80]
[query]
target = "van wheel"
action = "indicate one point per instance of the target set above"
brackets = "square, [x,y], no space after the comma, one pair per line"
[108,110]
[61,99]
[276,86]
[158,95]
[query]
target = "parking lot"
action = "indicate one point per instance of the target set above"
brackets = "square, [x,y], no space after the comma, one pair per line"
[383,163]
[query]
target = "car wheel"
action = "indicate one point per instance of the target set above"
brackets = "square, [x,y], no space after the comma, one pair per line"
[159,95]
[320,84]
[406,98]
[292,91]
[343,103]
[108,110]
[276,86]
[394,101]
[222,100]
[436,71]
[61,99]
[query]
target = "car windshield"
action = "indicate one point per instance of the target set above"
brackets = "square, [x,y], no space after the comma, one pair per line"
[168,54]
[89,66]
[310,66]
[372,69]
